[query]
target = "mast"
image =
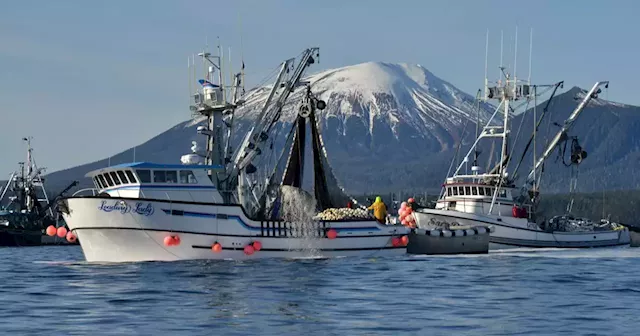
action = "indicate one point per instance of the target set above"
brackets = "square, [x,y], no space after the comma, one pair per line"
[593,93]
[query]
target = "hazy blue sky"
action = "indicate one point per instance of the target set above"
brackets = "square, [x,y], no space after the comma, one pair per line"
[88,79]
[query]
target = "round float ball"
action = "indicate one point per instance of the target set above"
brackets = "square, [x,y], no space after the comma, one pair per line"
[248,250]
[217,248]
[405,240]
[62,232]
[168,240]
[332,234]
[257,246]
[411,200]
[71,237]
[395,241]
[176,240]
[51,230]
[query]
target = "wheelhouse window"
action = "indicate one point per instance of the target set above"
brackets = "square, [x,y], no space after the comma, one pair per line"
[489,191]
[159,176]
[96,183]
[502,193]
[132,178]
[103,182]
[109,180]
[467,190]
[144,175]
[171,176]
[122,177]
[115,178]
[474,191]
[460,191]
[187,177]
[481,191]
[455,191]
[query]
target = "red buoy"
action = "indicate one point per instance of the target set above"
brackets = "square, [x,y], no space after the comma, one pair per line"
[71,237]
[257,246]
[61,232]
[395,241]
[168,241]
[332,234]
[217,248]
[405,240]
[51,230]
[411,200]
[248,250]
[176,240]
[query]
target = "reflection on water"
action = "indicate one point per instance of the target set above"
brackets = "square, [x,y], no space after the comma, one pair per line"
[50,290]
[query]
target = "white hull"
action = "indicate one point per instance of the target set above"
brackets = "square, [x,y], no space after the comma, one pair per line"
[135,229]
[513,232]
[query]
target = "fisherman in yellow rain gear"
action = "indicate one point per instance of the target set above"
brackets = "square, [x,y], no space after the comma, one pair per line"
[379,210]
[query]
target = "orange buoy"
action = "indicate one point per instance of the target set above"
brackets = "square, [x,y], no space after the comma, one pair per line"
[332,234]
[411,200]
[51,230]
[395,241]
[71,237]
[248,250]
[405,240]
[176,240]
[168,241]
[61,232]
[217,248]
[257,246]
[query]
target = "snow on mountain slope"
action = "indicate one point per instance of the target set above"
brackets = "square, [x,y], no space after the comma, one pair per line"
[397,100]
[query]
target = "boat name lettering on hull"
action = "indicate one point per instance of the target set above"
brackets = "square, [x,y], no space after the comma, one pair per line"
[140,208]
[433,221]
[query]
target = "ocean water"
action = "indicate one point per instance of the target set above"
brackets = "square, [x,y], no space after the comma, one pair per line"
[52,291]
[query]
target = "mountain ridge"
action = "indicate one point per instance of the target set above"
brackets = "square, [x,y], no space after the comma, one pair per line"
[395,126]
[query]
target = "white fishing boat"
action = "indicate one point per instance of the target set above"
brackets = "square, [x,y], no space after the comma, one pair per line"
[492,198]
[220,209]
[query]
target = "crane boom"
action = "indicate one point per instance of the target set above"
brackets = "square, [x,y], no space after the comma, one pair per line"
[567,124]
[252,146]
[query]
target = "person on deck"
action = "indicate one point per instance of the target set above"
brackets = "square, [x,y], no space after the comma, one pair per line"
[349,205]
[379,210]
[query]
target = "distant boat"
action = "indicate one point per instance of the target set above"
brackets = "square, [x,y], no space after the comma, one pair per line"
[27,211]
[492,198]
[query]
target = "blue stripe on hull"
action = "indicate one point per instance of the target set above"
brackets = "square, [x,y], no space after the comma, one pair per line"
[244,224]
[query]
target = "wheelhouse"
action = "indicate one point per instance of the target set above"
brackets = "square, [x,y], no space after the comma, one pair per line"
[150,180]
[476,196]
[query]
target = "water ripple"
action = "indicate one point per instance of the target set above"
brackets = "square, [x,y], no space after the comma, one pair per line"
[51,290]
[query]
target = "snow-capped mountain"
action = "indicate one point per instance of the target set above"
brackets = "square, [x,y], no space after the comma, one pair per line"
[374,97]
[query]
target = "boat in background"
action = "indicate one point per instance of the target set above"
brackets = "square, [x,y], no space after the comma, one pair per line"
[215,205]
[26,210]
[493,199]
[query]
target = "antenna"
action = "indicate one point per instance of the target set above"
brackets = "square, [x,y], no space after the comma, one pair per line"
[193,62]
[501,51]
[230,69]
[241,53]
[486,64]
[190,79]
[515,57]
[530,53]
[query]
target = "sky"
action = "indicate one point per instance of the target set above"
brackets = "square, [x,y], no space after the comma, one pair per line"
[88,79]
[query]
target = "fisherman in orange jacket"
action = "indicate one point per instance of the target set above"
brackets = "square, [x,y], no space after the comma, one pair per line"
[379,210]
